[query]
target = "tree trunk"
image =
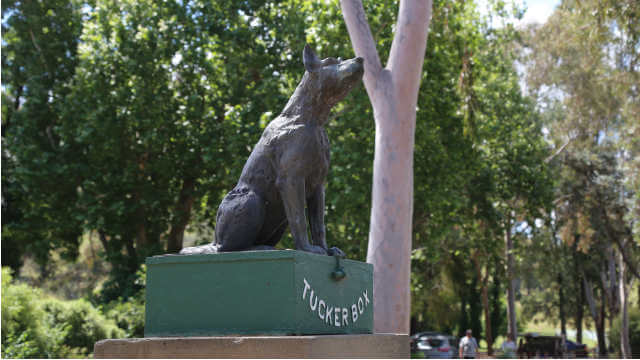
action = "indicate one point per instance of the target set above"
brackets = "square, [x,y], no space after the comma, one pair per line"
[625,347]
[141,230]
[578,278]
[511,297]
[561,301]
[140,223]
[631,265]
[393,92]
[103,240]
[608,277]
[464,322]
[487,318]
[600,328]
[132,257]
[485,305]
[580,312]
[598,318]
[183,214]
[496,301]
[6,122]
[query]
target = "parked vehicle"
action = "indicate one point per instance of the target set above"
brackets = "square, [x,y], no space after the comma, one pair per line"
[434,345]
[541,346]
[576,350]
[414,338]
[424,333]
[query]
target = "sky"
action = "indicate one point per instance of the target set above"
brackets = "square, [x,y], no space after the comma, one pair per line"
[537,10]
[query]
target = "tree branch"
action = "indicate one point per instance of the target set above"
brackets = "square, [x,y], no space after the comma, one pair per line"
[409,45]
[362,40]
[625,257]
[547,160]
[35,44]
[616,239]
[588,290]
[6,123]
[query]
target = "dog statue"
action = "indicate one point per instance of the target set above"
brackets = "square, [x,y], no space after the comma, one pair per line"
[286,170]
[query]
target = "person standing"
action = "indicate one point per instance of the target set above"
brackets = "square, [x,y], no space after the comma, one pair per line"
[468,346]
[509,347]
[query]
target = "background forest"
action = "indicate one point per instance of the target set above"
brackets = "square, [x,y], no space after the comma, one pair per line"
[125,122]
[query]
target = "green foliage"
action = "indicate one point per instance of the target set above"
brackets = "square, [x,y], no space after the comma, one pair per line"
[582,67]
[84,324]
[36,325]
[634,332]
[129,314]
[38,60]
[482,137]
[25,330]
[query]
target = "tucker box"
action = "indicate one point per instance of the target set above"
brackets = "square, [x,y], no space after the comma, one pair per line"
[280,292]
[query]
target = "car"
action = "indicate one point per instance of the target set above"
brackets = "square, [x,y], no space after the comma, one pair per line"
[576,350]
[424,333]
[434,345]
[414,338]
[537,346]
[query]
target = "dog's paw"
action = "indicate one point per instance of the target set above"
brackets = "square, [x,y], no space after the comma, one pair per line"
[315,250]
[334,251]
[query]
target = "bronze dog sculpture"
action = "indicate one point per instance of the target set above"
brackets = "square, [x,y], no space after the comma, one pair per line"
[286,170]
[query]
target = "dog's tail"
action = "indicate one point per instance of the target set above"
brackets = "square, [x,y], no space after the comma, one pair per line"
[203,249]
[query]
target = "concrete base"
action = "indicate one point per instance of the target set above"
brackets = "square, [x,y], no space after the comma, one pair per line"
[317,346]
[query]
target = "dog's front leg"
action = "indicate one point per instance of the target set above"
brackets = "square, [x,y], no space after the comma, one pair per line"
[293,198]
[315,205]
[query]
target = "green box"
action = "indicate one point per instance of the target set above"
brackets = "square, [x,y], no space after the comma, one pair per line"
[280,292]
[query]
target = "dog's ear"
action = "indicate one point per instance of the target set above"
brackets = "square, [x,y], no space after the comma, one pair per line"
[310,59]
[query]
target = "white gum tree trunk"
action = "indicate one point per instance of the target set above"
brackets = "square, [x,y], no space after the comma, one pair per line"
[512,324]
[393,92]
[625,347]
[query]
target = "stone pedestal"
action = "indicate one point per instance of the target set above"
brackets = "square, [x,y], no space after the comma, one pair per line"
[323,346]
[257,304]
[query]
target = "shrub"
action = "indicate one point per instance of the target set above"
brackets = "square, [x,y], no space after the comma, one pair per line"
[85,324]
[129,314]
[25,331]
[634,332]
[38,325]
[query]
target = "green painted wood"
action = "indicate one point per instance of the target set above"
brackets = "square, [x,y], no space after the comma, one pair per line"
[283,292]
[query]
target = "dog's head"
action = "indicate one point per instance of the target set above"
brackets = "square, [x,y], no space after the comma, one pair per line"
[332,78]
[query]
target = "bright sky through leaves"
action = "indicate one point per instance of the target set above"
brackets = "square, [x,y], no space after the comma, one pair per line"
[537,10]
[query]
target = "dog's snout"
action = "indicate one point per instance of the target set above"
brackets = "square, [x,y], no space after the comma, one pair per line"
[359,60]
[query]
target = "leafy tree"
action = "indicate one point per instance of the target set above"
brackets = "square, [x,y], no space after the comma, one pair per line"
[38,60]
[590,77]
[504,178]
